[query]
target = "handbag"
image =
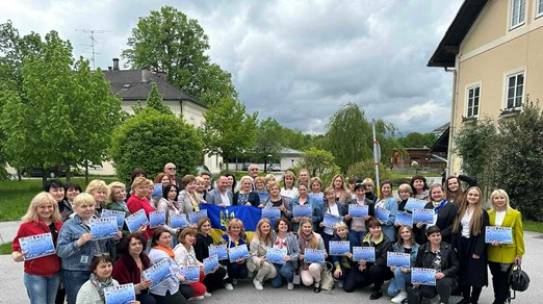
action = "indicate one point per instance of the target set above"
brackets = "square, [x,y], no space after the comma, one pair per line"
[327,281]
[518,280]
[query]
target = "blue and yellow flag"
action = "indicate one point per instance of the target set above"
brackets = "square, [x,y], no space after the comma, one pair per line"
[220,216]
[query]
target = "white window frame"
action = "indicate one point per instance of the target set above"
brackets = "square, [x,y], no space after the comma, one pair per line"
[470,87]
[538,8]
[507,76]
[511,15]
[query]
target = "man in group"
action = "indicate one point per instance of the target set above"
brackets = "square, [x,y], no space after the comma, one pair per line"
[171,170]
[206,176]
[253,173]
[220,196]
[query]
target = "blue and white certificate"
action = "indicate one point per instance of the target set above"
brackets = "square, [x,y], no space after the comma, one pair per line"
[398,259]
[356,210]
[425,216]
[502,235]
[263,196]
[413,203]
[120,294]
[276,255]
[238,253]
[136,220]
[404,219]
[363,254]
[195,217]
[302,211]
[339,247]
[37,246]
[158,272]
[178,220]
[314,255]
[157,218]
[382,214]
[118,214]
[423,276]
[330,220]
[219,250]
[103,228]
[210,264]
[271,213]
[191,273]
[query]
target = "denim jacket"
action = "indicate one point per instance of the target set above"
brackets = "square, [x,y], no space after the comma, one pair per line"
[293,248]
[397,247]
[75,258]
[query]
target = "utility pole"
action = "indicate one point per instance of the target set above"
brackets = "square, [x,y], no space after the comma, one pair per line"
[92,44]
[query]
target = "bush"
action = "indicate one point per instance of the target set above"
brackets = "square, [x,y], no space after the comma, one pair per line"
[366,168]
[151,139]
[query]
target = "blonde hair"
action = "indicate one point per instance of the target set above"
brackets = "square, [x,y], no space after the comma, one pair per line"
[270,177]
[499,192]
[291,174]
[244,178]
[114,186]
[84,198]
[260,179]
[405,188]
[313,242]
[31,214]
[238,222]
[268,239]
[138,181]
[272,184]
[341,225]
[368,181]
[315,180]
[97,185]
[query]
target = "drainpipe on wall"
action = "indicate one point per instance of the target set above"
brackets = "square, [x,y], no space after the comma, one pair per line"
[452,128]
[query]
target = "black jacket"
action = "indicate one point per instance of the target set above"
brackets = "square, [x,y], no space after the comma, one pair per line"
[449,260]
[380,251]
[201,247]
[445,221]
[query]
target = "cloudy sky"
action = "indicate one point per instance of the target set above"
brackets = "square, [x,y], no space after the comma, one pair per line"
[296,61]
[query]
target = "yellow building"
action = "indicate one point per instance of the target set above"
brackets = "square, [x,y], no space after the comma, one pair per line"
[494,48]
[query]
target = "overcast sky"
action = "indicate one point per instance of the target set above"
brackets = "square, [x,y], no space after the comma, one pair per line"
[296,61]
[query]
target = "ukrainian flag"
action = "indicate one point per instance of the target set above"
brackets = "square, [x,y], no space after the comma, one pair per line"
[220,216]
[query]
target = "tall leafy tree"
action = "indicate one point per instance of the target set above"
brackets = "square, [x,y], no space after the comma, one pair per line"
[417,140]
[268,140]
[154,100]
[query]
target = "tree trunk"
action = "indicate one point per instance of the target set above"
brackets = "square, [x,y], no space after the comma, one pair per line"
[265,164]
[86,171]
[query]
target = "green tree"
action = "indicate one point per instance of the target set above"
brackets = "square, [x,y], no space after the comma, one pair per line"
[320,163]
[168,41]
[150,139]
[228,130]
[417,140]
[348,136]
[154,100]
[268,140]
[366,168]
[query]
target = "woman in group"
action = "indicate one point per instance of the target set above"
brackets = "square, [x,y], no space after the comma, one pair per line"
[331,206]
[289,188]
[161,180]
[286,241]
[260,243]
[454,189]
[419,186]
[132,262]
[301,200]
[358,224]
[307,238]
[188,199]
[231,182]
[303,177]
[278,200]
[397,289]
[76,247]
[341,193]
[342,264]
[169,205]
[365,272]
[441,257]
[389,203]
[117,197]
[139,199]
[214,280]
[404,193]
[41,275]
[200,189]
[235,236]
[469,242]
[99,190]
[370,186]
[246,196]
[445,213]
[93,291]
[501,257]
[185,256]
[169,290]
[66,206]
[316,195]
[260,188]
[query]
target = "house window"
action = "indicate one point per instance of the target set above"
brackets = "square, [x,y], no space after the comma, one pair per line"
[515,90]
[474,94]
[517,12]
[539,9]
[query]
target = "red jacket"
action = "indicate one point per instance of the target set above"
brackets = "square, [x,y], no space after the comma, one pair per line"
[44,266]
[135,203]
[126,271]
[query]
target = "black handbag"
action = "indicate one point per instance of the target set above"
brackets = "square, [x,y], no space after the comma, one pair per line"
[518,280]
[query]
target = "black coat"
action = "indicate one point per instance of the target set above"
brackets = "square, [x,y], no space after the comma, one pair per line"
[380,251]
[445,221]
[449,260]
[201,247]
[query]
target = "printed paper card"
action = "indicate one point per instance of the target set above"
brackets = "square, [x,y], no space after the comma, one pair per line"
[413,203]
[314,255]
[178,220]
[136,220]
[271,213]
[238,253]
[339,247]
[275,256]
[364,254]
[330,220]
[118,214]
[104,228]
[37,246]
[120,294]
[191,273]
[157,218]
[158,272]
[502,235]
[423,276]
[398,259]
[404,219]
[356,210]
[382,214]
[425,216]
[219,250]
[211,264]
[302,211]
[195,217]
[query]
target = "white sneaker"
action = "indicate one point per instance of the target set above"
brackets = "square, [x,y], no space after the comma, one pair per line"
[290,286]
[399,297]
[196,298]
[228,286]
[257,284]
[207,294]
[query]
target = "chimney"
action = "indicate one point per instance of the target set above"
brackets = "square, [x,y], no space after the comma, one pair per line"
[115,64]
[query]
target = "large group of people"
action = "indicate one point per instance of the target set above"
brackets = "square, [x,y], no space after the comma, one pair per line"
[453,245]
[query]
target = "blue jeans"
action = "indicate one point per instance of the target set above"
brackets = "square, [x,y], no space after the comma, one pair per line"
[285,271]
[399,282]
[72,283]
[355,237]
[41,289]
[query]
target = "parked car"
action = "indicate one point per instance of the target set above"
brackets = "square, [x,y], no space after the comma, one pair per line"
[57,171]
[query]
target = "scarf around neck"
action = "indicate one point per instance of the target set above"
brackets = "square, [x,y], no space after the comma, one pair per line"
[368,239]
[168,250]
[100,285]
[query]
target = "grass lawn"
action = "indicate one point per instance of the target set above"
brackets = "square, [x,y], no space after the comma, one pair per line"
[533,226]
[5,248]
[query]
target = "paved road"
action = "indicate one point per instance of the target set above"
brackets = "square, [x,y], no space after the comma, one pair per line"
[13,291]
